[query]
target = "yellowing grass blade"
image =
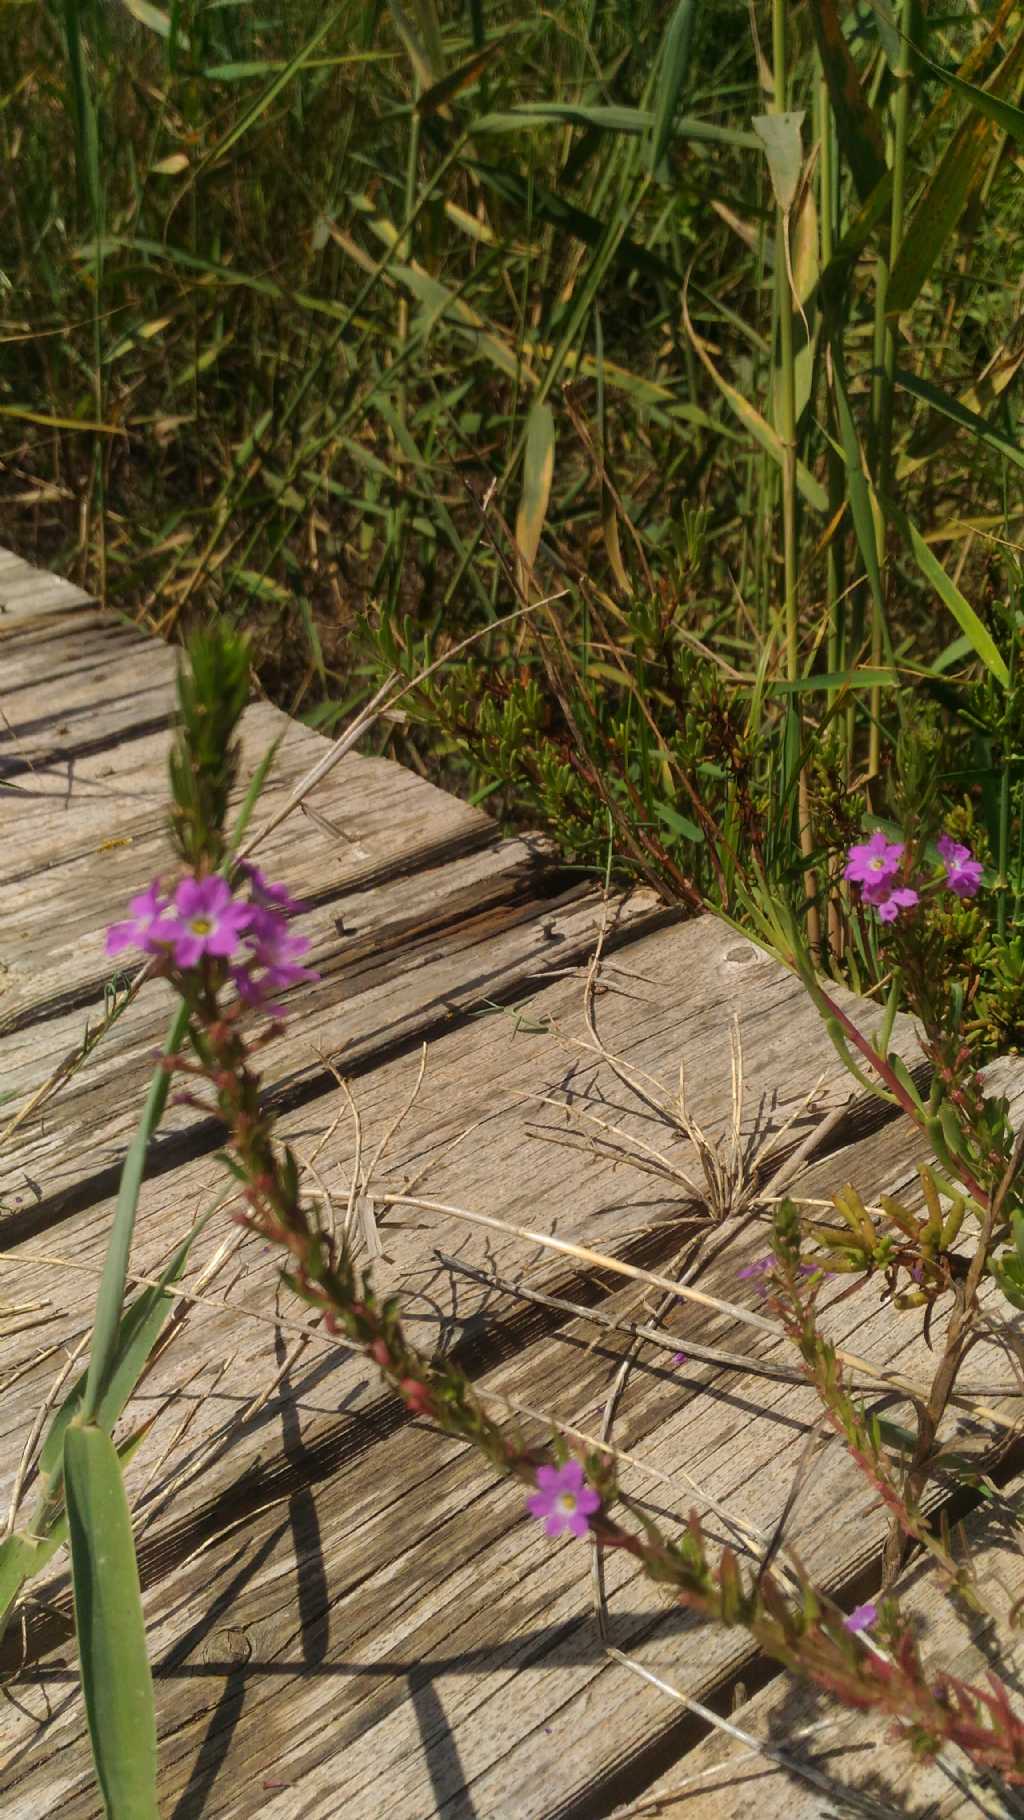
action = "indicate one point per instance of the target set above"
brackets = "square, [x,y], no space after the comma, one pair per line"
[538,470]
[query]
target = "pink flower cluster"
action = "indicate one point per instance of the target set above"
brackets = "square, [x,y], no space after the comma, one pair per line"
[204,920]
[875,866]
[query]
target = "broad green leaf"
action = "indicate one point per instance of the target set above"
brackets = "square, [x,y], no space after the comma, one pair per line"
[981,640]
[780,134]
[857,128]
[538,471]
[673,64]
[678,824]
[111,1631]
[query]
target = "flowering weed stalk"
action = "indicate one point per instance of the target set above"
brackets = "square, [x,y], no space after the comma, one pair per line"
[222,937]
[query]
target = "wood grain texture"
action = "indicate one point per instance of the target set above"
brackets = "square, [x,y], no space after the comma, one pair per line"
[483,1083]
[391,1625]
[25,591]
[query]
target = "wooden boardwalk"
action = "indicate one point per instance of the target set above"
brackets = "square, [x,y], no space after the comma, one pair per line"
[346,1615]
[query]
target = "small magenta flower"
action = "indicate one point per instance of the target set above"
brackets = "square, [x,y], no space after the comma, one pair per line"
[274,897]
[889,902]
[861,1617]
[208,921]
[873,861]
[563,1499]
[963,871]
[146,927]
[276,952]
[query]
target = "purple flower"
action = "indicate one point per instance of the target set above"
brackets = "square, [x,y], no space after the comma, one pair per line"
[274,897]
[563,1499]
[208,921]
[889,902]
[144,928]
[679,1358]
[861,1617]
[274,950]
[963,871]
[758,1270]
[873,861]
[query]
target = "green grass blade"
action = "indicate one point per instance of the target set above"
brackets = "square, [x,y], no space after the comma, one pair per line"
[110,1296]
[116,1680]
[673,65]
[252,796]
[981,640]
[137,1334]
[959,414]
[1002,113]
[856,480]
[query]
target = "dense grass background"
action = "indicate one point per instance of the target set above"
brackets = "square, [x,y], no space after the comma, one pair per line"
[363,325]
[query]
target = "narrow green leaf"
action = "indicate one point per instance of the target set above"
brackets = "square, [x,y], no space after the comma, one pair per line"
[1002,113]
[153,17]
[609,119]
[252,796]
[262,102]
[836,679]
[116,1680]
[673,64]
[809,485]
[981,640]
[958,413]
[110,1296]
[856,479]
[137,1334]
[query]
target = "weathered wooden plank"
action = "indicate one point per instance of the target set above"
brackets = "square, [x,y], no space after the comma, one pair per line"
[484,1075]
[726,1779]
[121,699]
[403,1630]
[25,590]
[380,818]
[484,931]
[422,1574]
